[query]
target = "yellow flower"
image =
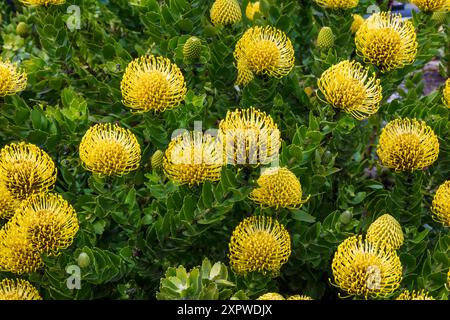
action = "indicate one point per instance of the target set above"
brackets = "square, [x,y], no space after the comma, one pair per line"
[271,296]
[152,83]
[42,2]
[16,254]
[25,169]
[48,221]
[245,75]
[363,269]
[347,86]
[225,12]
[11,79]
[358,20]
[407,145]
[266,50]
[387,41]
[8,203]
[299,297]
[386,232]
[278,187]
[110,150]
[419,295]
[18,289]
[193,158]
[252,8]
[432,5]
[441,204]
[337,4]
[259,244]
[446,93]
[249,136]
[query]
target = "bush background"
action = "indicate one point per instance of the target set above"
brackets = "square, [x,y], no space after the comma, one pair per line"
[135,227]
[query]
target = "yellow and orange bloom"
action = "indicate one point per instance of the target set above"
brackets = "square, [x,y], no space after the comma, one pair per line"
[386,232]
[225,12]
[12,80]
[441,204]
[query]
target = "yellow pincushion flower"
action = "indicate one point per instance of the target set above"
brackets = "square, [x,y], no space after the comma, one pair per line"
[11,79]
[110,150]
[415,295]
[386,232]
[152,83]
[271,296]
[225,12]
[193,158]
[338,4]
[265,50]
[25,169]
[348,86]
[18,289]
[432,5]
[299,297]
[252,8]
[7,203]
[259,244]
[278,187]
[363,269]
[42,2]
[407,145]
[48,221]
[249,136]
[446,93]
[387,41]
[244,74]
[358,20]
[441,204]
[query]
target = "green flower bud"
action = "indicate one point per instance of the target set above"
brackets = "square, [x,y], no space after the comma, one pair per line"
[157,160]
[192,48]
[22,29]
[325,39]
[83,260]
[346,217]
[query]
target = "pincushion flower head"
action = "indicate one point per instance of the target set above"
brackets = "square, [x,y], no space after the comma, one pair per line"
[358,20]
[266,51]
[387,41]
[7,203]
[432,5]
[249,136]
[299,297]
[225,12]
[271,296]
[42,2]
[48,221]
[25,169]
[152,83]
[252,8]
[12,80]
[441,204]
[407,145]
[348,86]
[192,158]
[338,4]
[18,289]
[261,244]
[279,188]
[446,93]
[386,232]
[415,295]
[363,269]
[109,150]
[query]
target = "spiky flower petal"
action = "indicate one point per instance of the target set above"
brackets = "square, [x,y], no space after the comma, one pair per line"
[25,169]
[386,232]
[441,204]
[271,296]
[363,269]
[152,83]
[18,289]
[225,12]
[259,244]
[432,5]
[265,50]
[358,20]
[42,2]
[12,80]
[110,150]
[407,145]
[252,8]
[299,297]
[387,41]
[249,136]
[415,295]
[325,38]
[338,4]
[278,187]
[192,158]
[192,48]
[347,86]
[446,93]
